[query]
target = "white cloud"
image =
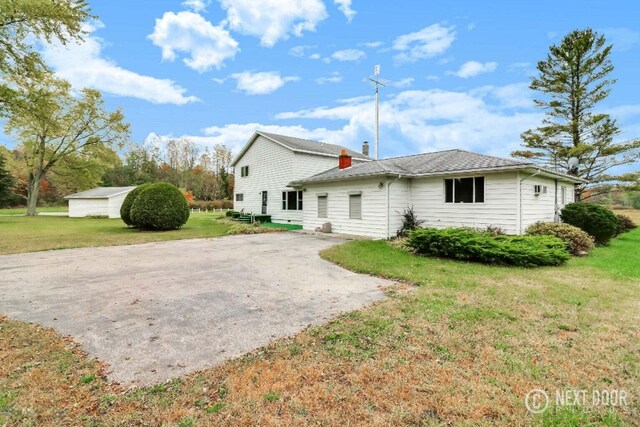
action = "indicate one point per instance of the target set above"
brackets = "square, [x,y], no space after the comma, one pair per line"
[207,45]
[315,56]
[273,20]
[473,68]
[402,83]
[299,51]
[622,38]
[348,55]
[432,77]
[335,77]
[426,43]
[218,80]
[425,120]
[83,65]
[261,83]
[372,45]
[235,135]
[345,8]
[196,5]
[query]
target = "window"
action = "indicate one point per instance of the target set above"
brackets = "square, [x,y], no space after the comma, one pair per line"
[239,197]
[539,189]
[464,190]
[292,200]
[355,206]
[322,206]
[244,171]
[563,195]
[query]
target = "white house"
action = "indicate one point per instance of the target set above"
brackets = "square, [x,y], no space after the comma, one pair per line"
[269,162]
[446,189]
[101,201]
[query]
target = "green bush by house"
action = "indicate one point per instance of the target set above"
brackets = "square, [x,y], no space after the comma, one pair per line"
[232,214]
[125,209]
[625,224]
[596,220]
[578,242]
[479,246]
[160,206]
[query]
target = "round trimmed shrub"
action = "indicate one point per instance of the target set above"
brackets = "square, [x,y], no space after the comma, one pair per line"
[598,221]
[160,206]
[578,242]
[125,209]
[625,224]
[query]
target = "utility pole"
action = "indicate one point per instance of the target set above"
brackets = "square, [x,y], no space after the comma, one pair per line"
[378,83]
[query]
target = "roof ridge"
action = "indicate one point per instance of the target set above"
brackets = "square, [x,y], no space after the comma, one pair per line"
[496,157]
[420,154]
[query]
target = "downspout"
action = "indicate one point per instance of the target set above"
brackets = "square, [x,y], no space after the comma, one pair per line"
[389,205]
[556,215]
[520,198]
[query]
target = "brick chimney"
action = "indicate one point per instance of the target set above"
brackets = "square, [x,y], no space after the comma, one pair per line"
[344,161]
[365,148]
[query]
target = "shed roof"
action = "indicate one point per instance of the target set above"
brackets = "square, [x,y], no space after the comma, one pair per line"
[426,164]
[100,193]
[301,146]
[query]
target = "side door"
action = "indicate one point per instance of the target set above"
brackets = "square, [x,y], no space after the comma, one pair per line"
[264,203]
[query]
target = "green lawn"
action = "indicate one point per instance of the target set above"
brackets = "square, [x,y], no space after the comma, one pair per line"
[23,211]
[29,234]
[463,347]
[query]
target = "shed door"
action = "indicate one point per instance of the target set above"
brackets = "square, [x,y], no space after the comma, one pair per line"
[264,203]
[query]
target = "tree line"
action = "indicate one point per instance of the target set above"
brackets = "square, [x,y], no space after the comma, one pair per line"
[201,172]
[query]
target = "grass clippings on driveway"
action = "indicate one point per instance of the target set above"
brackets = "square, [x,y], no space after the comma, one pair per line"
[464,347]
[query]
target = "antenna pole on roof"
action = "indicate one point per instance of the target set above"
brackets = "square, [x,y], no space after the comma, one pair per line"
[377,82]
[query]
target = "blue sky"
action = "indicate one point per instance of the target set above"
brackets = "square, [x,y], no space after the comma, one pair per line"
[457,72]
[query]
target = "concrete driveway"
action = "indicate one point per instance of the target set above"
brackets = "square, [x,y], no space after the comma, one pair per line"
[160,310]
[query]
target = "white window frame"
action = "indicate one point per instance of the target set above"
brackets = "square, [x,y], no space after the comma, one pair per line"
[244,171]
[285,200]
[239,197]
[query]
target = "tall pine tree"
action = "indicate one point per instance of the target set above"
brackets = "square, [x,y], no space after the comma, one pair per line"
[574,79]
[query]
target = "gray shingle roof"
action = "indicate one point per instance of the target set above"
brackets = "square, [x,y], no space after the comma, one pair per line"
[304,146]
[100,193]
[439,162]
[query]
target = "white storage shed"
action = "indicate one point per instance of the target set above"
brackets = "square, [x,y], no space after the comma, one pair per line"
[101,201]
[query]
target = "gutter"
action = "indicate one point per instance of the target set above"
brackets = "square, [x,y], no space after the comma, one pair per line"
[389,204]
[539,170]
[520,198]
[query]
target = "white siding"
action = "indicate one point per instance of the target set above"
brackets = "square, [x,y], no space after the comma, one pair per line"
[499,208]
[79,208]
[271,168]
[542,207]
[539,207]
[399,200]
[115,203]
[373,222]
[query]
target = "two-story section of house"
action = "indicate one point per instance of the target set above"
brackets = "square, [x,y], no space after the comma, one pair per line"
[269,162]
